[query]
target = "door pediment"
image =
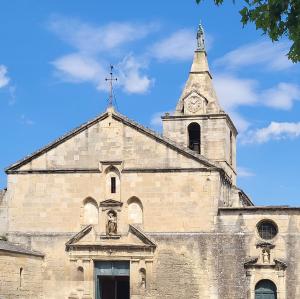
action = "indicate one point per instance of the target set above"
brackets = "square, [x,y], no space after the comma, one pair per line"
[88,240]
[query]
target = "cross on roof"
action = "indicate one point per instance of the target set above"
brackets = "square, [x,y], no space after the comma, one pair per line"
[111,79]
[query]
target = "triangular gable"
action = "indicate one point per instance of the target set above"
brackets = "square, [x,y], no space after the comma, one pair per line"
[135,238]
[55,143]
[141,235]
[195,92]
[151,134]
[85,231]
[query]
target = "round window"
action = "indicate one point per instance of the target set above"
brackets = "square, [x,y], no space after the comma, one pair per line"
[267,229]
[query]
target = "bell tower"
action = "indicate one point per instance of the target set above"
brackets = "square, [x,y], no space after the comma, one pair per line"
[199,122]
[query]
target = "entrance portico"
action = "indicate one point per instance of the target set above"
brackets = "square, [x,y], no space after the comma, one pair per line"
[114,268]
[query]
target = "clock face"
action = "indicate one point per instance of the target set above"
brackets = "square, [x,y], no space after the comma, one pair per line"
[194,104]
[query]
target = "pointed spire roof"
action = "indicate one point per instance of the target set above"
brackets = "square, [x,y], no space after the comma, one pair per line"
[199,82]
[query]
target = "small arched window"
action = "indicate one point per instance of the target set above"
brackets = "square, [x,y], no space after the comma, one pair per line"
[90,213]
[112,183]
[194,132]
[265,289]
[21,277]
[135,211]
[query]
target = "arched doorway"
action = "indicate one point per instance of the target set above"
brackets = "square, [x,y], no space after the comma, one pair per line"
[265,289]
[194,137]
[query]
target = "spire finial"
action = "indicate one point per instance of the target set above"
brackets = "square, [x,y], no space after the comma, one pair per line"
[200,38]
[111,79]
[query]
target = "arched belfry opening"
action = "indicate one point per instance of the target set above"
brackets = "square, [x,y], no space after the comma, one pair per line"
[194,132]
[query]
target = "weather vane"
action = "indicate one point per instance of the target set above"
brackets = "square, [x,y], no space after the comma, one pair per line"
[111,79]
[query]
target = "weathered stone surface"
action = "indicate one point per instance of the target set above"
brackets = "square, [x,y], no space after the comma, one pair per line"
[179,220]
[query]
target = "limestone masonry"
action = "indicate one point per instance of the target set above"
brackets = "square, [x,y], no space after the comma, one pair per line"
[113,210]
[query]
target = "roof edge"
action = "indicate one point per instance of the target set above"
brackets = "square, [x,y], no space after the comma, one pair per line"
[185,151]
[56,142]
[18,249]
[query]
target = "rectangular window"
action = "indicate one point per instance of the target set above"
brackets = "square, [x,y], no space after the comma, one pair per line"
[113,185]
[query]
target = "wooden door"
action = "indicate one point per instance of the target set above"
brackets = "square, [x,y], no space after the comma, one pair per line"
[265,289]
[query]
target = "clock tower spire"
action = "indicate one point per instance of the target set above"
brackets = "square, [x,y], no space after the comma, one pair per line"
[199,122]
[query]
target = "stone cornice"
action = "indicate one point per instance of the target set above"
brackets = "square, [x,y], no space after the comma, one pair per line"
[203,116]
[255,209]
[125,170]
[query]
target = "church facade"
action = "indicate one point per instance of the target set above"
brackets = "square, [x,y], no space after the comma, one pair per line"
[113,210]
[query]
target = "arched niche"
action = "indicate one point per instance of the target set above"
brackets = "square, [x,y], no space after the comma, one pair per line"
[112,183]
[79,275]
[135,211]
[142,278]
[90,211]
[194,135]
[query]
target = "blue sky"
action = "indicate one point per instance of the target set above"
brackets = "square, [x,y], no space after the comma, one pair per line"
[54,56]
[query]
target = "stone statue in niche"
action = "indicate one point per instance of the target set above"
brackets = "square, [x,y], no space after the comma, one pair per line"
[142,278]
[143,283]
[266,256]
[111,227]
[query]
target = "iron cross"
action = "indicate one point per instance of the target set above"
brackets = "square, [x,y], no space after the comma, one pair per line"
[111,79]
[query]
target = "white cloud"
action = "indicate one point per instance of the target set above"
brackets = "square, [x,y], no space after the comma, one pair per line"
[270,55]
[131,78]
[240,122]
[93,49]
[235,92]
[26,121]
[244,172]
[78,68]
[281,96]
[4,79]
[275,131]
[12,94]
[156,121]
[93,39]
[178,46]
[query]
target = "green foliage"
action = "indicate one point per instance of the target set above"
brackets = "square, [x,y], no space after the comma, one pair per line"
[276,18]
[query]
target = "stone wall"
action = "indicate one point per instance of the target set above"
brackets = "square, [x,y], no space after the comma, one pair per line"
[187,265]
[284,246]
[3,212]
[206,266]
[215,137]
[54,202]
[20,276]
